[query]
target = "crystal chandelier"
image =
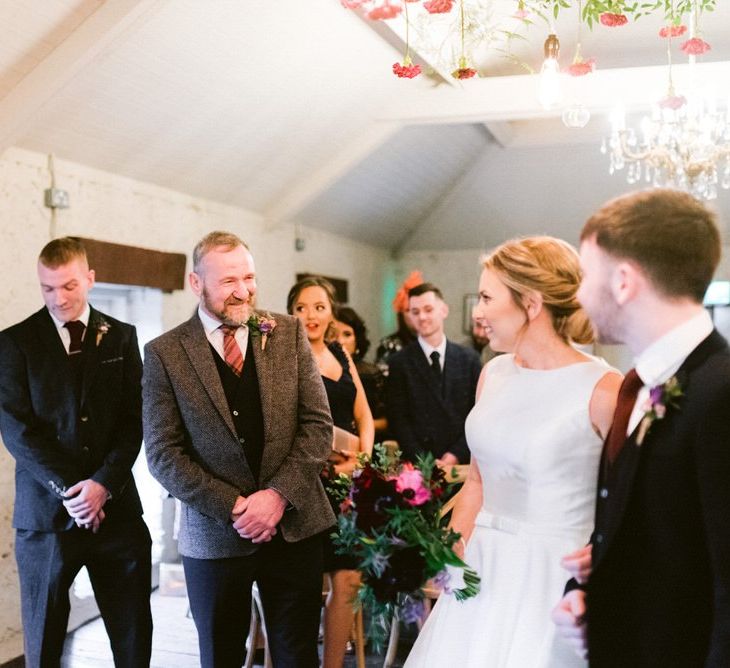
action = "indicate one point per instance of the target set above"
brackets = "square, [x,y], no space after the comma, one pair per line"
[684,143]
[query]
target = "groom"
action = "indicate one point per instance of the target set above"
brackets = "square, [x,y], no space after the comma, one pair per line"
[658,593]
[237,426]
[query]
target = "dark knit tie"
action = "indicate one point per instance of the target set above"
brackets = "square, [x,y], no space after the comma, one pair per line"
[624,407]
[76,330]
[231,350]
[436,365]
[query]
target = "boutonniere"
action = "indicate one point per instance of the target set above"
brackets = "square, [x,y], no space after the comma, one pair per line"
[263,326]
[655,408]
[102,327]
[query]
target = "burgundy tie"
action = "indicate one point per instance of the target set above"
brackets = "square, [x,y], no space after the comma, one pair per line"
[76,330]
[231,350]
[624,407]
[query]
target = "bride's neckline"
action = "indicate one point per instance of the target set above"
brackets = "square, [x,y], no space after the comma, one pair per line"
[528,369]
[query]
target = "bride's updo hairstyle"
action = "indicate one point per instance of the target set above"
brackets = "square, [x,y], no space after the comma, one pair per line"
[549,267]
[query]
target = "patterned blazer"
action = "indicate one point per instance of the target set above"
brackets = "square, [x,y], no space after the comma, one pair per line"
[193,448]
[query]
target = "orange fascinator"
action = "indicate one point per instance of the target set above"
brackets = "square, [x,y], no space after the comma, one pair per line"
[400,302]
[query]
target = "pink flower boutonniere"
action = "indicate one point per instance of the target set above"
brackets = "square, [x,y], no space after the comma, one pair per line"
[261,325]
[660,399]
[102,327]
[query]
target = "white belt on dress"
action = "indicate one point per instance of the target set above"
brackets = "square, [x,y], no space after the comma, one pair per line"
[514,526]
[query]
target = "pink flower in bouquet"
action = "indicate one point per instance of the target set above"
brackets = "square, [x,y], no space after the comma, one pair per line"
[410,484]
[438,6]
[384,11]
[672,31]
[695,47]
[406,71]
[613,20]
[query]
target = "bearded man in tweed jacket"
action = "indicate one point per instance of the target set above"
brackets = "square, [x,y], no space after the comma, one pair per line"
[237,426]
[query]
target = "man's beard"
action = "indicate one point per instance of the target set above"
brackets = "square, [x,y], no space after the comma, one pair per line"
[606,322]
[225,315]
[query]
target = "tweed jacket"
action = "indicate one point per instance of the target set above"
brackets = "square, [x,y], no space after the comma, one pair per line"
[58,439]
[195,453]
[659,592]
[424,417]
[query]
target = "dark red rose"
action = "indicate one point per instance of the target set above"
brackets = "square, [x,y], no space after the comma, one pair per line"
[406,572]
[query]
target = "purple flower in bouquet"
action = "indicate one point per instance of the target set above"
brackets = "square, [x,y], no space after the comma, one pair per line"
[410,484]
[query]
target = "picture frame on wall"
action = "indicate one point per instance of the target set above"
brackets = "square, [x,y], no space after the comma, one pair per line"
[470,301]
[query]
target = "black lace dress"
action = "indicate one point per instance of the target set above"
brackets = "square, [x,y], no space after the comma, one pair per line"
[341,395]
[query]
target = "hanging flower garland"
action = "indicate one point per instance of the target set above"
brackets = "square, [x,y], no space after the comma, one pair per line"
[608,13]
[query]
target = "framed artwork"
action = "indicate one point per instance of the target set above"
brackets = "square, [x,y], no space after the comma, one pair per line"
[470,301]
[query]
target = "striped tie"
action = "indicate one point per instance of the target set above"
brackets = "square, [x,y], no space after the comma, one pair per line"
[231,351]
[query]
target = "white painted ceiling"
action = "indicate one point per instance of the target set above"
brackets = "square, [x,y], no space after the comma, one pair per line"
[289,108]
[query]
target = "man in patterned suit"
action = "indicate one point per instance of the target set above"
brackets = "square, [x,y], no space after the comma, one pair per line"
[237,426]
[432,384]
[70,414]
[658,590]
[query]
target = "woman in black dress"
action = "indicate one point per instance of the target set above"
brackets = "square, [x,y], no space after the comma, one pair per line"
[352,335]
[312,300]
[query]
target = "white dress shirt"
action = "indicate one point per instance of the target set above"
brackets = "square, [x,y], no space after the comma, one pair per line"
[215,334]
[428,349]
[661,360]
[63,331]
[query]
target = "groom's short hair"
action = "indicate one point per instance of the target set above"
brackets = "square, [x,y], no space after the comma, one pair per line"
[672,236]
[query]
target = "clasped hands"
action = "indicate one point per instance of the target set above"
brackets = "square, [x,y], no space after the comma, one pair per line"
[84,502]
[570,614]
[256,517]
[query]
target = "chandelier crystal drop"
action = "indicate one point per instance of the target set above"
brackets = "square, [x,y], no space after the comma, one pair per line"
[687,148]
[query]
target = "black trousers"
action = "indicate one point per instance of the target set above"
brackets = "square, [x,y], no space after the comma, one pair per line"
[289,578]
[118,561]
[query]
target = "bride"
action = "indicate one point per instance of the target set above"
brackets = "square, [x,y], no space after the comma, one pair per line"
[535,434]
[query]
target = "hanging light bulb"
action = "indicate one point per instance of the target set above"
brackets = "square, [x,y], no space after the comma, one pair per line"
[550,91]
[576,116]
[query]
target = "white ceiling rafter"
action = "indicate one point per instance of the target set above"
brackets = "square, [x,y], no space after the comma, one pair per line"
[510,98]
[308,189]
[18,109]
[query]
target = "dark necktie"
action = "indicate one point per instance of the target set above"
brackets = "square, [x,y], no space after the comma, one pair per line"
[624,407]
[436,365]
[231,350]
[76,330]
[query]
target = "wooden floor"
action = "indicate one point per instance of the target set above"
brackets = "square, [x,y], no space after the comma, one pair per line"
[174,644]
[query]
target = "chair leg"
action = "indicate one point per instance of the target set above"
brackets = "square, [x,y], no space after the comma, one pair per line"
[392,642]
[253,633]
[359,638]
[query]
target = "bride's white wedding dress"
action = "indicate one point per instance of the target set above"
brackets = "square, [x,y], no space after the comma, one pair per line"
[531,434]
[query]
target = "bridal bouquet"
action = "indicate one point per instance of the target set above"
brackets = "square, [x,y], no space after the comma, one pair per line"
[391,522]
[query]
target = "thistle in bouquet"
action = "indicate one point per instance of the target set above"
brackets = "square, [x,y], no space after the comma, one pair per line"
[391,522]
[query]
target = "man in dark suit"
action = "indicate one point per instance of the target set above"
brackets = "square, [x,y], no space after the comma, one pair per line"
[431,384]
[70,415]
[658,591]
[237,426]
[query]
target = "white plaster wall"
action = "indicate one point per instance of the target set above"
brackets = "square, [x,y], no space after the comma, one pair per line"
[117,209]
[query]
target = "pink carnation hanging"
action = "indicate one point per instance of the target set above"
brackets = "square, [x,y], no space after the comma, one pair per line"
[406,71]
[613,20]
[695,47]
[384,12]
[580,68]
[672,31]
[673,102]
[438,6]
